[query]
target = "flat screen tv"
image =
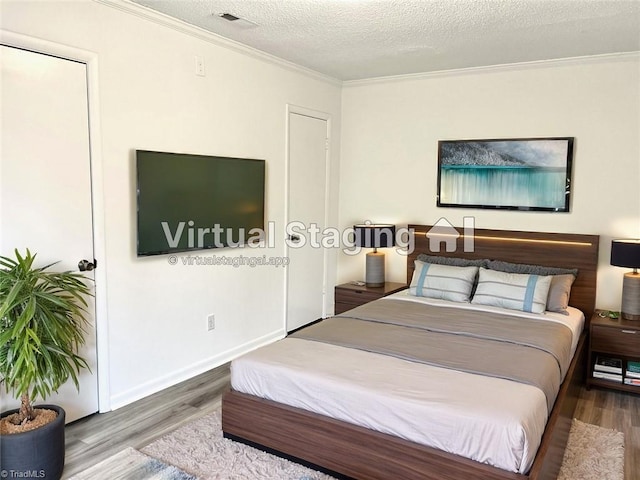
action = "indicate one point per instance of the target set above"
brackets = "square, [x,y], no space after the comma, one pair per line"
[193,202]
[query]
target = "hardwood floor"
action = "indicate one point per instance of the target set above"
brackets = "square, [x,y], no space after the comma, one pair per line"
[92,439]
[617,410]
[95,438]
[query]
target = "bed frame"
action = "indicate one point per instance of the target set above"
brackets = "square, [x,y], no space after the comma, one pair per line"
[350,451]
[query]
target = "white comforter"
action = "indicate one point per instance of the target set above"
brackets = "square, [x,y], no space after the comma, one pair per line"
[487,419]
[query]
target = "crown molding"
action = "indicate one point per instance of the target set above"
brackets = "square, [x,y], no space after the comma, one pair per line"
[509,67]
[202,34]
[218,40]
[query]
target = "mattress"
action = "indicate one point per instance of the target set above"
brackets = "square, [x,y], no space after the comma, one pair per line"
[491,420]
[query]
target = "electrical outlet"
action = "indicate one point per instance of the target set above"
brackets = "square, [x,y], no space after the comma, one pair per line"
[211,322]
[200,66]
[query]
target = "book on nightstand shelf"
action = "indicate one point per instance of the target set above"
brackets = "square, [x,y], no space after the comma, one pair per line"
[633,369]
[632,381]
[608,376]
[608,365]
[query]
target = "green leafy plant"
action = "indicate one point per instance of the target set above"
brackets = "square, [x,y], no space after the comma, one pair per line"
[42,325]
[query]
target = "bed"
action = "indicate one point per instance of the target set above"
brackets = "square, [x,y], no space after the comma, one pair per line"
[334,443]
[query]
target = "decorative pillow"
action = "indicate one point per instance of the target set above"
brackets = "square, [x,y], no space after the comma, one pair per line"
[560,290]
[530,269]
[527,293]
[453,261]
[559,293]
[443,281]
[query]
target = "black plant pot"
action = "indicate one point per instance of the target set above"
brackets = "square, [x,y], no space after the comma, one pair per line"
[38,453]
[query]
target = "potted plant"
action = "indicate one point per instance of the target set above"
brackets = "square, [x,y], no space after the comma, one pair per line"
[42,325]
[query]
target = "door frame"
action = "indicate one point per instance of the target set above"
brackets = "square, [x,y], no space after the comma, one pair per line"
[307,112]
[90,59]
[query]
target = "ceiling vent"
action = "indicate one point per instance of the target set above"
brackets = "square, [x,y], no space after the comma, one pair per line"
[228,16]
[238,22]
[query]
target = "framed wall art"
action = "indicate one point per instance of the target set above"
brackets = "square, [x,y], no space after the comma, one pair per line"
[514,174]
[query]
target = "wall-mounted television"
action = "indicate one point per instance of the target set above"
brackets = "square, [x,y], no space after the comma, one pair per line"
[193,202]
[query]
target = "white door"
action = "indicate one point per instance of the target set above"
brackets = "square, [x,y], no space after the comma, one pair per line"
[45,183]
[308,140]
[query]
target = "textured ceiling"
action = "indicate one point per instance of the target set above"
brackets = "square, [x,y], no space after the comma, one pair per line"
[357,39]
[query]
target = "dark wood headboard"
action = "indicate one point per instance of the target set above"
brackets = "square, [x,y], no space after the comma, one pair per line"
[564,250]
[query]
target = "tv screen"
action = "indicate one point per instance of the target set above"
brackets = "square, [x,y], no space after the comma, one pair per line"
[191,202]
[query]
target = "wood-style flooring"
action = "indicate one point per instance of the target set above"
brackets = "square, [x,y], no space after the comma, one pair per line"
[92,439]
[99,436]
[617,410]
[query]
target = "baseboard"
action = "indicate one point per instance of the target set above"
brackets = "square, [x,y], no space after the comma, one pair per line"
[166,381]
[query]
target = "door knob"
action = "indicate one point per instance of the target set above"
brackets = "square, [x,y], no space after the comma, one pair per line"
[87,266]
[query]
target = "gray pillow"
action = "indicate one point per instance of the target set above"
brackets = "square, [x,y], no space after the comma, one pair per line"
[559,292]
[530,269]
[452,261]
[561,281]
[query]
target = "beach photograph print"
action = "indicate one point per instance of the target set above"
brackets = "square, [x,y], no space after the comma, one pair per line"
[519,174]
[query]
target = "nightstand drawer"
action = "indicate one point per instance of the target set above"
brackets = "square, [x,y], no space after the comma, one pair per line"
[357,297]
[348,295]
[623,341]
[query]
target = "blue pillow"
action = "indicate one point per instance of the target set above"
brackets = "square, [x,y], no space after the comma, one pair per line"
[526,293]
[443,281]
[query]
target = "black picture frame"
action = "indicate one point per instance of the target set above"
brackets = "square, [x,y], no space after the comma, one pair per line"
[528,174]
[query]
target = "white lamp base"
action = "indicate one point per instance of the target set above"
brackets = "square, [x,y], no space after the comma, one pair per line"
[374,275]
[631,296]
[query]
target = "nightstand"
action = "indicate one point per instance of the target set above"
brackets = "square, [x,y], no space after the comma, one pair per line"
[613,339]
[348,296]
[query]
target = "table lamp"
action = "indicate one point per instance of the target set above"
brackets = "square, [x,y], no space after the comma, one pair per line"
[374,236]
[626,253]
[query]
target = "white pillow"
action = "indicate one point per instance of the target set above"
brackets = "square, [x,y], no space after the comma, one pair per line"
[515,291]
[443,281]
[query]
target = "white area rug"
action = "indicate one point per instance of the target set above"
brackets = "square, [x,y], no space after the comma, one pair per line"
[593,453]
[198,448]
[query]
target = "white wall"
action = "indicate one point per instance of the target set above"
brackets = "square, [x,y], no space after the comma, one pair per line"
[390,131]
[150,98]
